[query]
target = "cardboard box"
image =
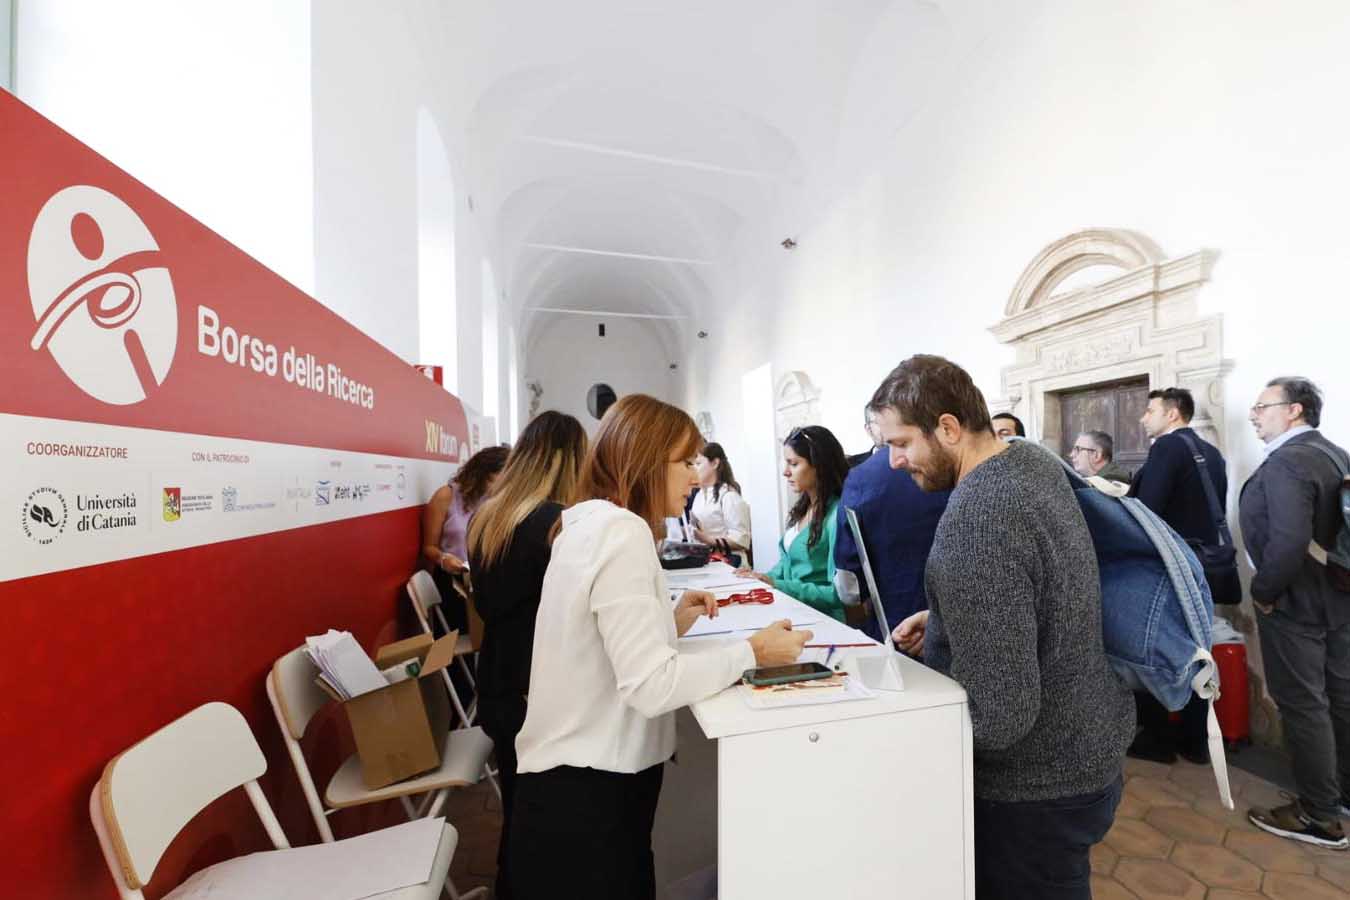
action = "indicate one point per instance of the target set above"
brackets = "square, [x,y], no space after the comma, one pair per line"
[401,730]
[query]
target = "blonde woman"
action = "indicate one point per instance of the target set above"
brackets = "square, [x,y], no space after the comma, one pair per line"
[509,550]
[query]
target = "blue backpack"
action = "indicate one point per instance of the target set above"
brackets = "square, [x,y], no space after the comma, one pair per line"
[1157,612]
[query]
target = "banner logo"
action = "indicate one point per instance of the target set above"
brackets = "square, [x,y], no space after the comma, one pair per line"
[44,515]
[173,504]
[102,298]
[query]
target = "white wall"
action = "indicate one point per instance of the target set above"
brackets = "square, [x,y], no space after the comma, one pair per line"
[6,44]
[437,320]
[567,356]
[1201,125]
[370,85]
[209,105]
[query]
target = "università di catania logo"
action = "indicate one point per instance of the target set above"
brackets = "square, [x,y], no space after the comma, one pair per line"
[102,297]
[44,515]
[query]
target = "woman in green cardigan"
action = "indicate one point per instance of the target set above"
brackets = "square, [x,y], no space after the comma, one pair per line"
[815,467]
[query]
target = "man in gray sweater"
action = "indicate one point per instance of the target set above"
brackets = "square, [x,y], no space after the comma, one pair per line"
[1015,617]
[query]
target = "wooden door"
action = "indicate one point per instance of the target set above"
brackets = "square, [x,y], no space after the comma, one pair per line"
[1114,408]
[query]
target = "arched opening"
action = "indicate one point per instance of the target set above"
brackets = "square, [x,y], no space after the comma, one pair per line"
[437,339]
[492,375]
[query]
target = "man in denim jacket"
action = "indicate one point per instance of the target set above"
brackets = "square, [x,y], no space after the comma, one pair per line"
[1292,499]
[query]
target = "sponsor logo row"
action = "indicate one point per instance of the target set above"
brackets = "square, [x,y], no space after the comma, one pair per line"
[48,513]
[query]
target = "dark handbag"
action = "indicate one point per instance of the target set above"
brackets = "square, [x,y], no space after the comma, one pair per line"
[684,555]
[1218,560]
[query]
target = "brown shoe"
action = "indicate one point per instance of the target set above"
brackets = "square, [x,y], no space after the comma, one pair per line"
[1291,821]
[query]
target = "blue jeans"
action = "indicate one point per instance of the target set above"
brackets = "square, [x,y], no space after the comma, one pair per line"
[1038,849]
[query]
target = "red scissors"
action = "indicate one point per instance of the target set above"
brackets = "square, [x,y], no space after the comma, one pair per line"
[758,595]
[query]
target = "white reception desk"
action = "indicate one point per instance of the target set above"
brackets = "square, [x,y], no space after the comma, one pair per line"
[863,799]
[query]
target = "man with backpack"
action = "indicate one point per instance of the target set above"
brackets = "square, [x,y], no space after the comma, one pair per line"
[1015,616]
[1293,521]
[1172,483]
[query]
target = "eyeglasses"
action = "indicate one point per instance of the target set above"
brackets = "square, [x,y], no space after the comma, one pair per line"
[761,596]
[1262,407]
[1078,449]
[802,433]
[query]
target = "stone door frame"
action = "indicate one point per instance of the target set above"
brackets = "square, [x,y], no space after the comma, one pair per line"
[1144,321]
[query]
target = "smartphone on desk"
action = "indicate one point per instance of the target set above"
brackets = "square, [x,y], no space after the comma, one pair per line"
[767,675]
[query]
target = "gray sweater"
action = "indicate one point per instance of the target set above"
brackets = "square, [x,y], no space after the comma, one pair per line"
[1016,619]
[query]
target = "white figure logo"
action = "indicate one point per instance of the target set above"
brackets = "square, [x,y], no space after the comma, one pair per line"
[101,295]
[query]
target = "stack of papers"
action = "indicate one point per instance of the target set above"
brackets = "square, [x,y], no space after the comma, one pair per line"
[343,666]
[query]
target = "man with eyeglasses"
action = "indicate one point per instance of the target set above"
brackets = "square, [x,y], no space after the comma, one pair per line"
[1170,484]
[1289,508]
[1091,455]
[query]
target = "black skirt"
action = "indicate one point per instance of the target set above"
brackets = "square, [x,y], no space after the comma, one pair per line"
[584,833]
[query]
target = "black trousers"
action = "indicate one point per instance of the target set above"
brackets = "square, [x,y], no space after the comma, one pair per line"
[584,833]
[502,719]
[1157,723]
[1308,673]
[1038,850]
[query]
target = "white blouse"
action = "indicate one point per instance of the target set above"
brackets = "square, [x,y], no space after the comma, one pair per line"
[726,517]
[606,676]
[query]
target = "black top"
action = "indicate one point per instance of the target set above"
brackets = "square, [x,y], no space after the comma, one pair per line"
[1169,484]
[506,595]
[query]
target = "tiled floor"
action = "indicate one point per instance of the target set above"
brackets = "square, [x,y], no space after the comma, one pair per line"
[1172,839]
[477,814]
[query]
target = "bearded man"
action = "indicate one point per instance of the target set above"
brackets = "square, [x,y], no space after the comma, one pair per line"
[1015,617]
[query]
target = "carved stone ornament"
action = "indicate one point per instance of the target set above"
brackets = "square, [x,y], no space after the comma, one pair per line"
[536,391]
[1142,320]
[796,403]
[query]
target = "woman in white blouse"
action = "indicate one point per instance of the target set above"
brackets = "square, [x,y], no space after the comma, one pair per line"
[606,675]
[721,517]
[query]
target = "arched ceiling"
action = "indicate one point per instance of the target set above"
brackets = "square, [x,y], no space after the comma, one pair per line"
[618,150]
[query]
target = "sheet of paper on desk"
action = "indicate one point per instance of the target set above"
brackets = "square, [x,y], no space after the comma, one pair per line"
[832,631]
[710,581]
[752,617]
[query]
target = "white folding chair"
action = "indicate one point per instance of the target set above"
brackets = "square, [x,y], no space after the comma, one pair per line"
[296,698]
[426,601]
[150,791]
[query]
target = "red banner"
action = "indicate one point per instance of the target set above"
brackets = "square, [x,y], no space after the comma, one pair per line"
[136,314]
[203,465]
